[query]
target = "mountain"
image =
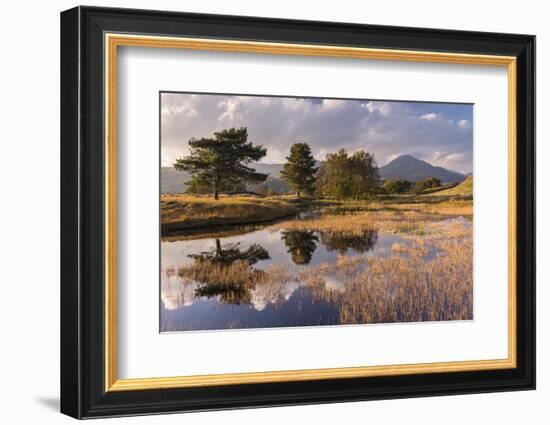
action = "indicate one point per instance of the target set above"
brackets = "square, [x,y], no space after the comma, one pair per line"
[173,181]
[274,170]
[412,169]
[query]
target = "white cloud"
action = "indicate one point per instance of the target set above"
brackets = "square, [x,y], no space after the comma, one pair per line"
[333,104]
[230,108]
[387,129]
[429,117]
[383,108]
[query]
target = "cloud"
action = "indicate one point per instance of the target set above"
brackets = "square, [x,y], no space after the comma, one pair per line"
[383,108]
[387,129]
[431,116]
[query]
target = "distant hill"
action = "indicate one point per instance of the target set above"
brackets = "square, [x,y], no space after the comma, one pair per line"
[466,188]
[274,170]
[412,169]
[173,181]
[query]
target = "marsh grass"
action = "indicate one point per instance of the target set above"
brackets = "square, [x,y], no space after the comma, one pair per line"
[384,221]
[428,277]
[403,288]
[192,213]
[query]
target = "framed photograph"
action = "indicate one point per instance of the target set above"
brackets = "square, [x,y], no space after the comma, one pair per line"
[261,212]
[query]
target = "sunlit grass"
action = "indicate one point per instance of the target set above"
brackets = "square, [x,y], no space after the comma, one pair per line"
[180,211]
[426,277]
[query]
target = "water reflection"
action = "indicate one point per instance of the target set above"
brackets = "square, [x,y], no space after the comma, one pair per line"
[231,253]
[264,278]
[226,272]
[301,244]
[342,241]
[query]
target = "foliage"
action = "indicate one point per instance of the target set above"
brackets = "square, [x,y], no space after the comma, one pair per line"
[395,186]
[428,183]
[299,170]
[344,176]
[222,161]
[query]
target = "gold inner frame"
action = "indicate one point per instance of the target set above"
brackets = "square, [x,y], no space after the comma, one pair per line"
[113,41]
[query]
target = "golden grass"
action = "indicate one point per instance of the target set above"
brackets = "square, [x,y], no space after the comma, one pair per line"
[466,188]
[382,221]
[402,218]
[402,288]
[192,212]
[181,211]
[424,278]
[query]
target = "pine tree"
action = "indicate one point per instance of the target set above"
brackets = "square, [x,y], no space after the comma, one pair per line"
[299,170]
[222,161]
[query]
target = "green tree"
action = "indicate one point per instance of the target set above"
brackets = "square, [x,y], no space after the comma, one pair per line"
[429,183]
[397,186]
[343,176]
[365,178]
[222,161]
[299,170]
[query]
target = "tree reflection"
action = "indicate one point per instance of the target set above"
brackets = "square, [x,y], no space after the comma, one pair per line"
[301,245]
[342,241]
[231,253]
[226,271]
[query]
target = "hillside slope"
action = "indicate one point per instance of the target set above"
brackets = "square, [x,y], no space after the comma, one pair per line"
[412,169]
[466,188]
[173,181]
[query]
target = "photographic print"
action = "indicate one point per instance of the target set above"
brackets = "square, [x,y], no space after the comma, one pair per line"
[306,211]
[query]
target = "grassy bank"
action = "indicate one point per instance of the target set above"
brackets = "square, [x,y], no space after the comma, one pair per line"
[182,212]
[466,188]
[197,212]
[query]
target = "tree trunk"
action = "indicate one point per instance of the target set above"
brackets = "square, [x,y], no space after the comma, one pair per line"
[216,187]
[298,194]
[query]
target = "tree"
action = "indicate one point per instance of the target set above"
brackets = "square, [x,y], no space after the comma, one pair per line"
[365,178]
[299,170]
[343,176]
[397,186]
[334,177]
[222,161]
[428,183]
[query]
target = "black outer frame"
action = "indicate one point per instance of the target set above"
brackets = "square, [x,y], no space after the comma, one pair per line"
[82,212]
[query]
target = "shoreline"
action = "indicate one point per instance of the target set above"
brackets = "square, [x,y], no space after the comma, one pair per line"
[194,216]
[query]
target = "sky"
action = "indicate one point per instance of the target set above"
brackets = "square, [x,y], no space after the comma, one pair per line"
[439,133]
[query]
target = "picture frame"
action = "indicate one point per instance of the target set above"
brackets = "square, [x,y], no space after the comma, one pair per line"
[90,40]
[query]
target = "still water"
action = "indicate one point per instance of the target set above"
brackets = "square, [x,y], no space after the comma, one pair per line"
[200,301]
